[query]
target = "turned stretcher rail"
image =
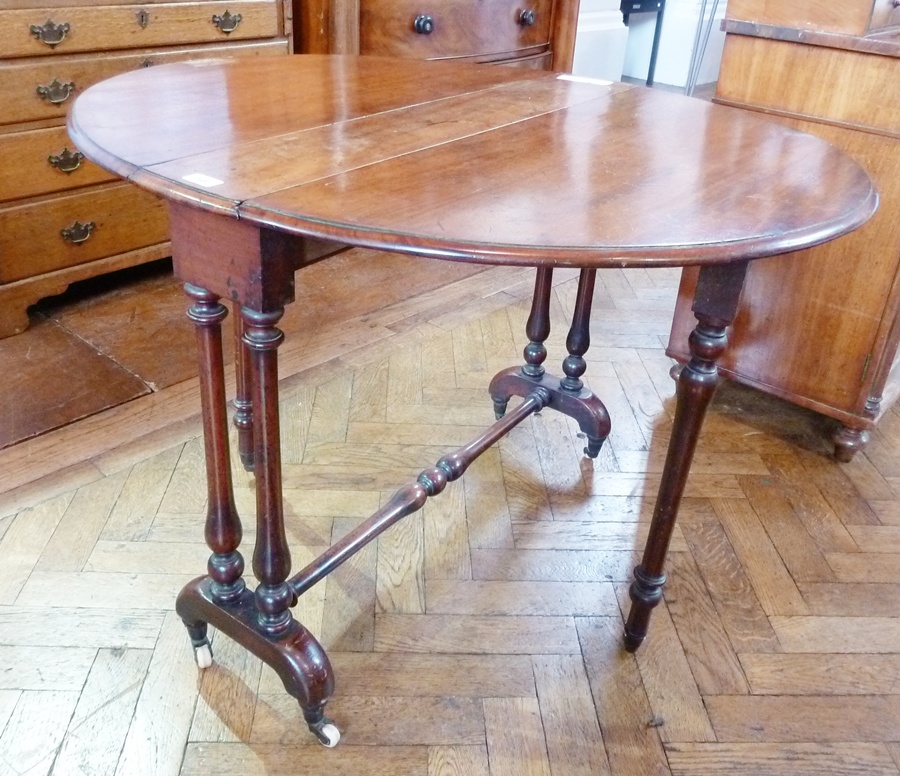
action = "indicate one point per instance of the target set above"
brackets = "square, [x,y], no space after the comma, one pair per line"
[412,497]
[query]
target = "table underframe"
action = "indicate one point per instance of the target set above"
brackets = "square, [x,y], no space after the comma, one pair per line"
[261,620]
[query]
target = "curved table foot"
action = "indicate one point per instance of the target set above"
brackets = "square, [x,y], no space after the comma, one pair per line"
[296,656]
[582,405]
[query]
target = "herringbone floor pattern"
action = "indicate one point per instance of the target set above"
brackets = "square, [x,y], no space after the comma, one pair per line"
[481,636]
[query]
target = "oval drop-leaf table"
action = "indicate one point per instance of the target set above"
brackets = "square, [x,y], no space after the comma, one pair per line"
[269,164]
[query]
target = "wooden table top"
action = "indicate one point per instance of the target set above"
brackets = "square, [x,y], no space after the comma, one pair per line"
[471,162]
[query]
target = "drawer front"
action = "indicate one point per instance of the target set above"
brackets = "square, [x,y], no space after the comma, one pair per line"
[543,61]
[848,16]
[43,161]
[886,13]
[427,30]
[39,32]
[124,218]
[37,89]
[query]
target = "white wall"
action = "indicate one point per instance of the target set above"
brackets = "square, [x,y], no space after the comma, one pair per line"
[676,43]
[600,41]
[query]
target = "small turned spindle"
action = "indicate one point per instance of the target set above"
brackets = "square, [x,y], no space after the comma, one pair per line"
[271,556]
[223,526]
[579,339]
[537,328]
[243,405]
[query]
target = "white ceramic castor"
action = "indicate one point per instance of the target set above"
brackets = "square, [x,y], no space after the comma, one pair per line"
[203,656]
[328,734]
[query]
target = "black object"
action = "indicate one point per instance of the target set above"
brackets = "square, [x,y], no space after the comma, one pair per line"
[424,25]
[628,7]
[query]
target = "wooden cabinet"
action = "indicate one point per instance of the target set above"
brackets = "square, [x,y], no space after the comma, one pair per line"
[851,17]
[63,219]
[822,330]
[534,33]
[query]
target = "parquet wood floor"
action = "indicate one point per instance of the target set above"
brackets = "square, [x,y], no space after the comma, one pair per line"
[483,635]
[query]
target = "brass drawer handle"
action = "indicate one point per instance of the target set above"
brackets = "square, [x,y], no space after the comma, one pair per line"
[226,22]
[56,92]
[50,33]
[527,18]
[424,25]
[67,161]
[78,232]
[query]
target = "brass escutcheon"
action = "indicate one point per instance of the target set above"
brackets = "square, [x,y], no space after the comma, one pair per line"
[143,18]
[78,232]
[50,33]
[226,22]
[56,92]
[67,161]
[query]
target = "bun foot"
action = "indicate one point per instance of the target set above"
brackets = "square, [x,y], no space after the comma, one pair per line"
[848,442]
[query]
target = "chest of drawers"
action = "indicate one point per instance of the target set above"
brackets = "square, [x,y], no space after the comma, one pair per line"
[63,219]
[530,33]
[832,315]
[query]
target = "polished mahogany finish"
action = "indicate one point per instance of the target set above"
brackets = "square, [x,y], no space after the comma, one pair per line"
[262,161]
[455,28]
[538,34]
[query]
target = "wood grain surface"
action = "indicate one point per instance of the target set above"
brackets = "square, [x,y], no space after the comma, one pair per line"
[474,164]
[746,670]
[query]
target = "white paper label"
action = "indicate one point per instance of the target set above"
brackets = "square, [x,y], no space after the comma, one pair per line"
[202,180]
[581,80]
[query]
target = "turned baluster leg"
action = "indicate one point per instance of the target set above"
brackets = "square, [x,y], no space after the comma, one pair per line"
[223,526]
[271,556]
[715,305]
[537,329]
[567,395]
[577,343]
[243,405]
[299,660]
[579,339]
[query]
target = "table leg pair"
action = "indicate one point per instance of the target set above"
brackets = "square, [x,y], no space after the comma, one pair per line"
[261,620]
[715,306]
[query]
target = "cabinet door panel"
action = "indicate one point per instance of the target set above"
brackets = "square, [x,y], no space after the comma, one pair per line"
[812,328]
[819,82]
